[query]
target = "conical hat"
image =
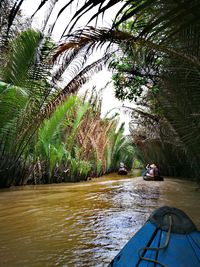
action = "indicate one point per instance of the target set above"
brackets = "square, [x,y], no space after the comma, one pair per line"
[153,165]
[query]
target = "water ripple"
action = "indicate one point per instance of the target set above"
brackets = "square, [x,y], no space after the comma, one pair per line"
[83,224]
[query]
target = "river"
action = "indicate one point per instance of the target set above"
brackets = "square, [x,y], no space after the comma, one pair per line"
[83,224]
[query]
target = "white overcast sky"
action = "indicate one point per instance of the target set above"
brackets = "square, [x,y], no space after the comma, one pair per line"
[100,79]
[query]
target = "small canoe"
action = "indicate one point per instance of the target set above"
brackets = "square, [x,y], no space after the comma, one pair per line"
[155,178]
[168,239]
[122,171]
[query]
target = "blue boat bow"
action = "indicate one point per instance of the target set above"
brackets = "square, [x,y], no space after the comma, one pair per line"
[169,239]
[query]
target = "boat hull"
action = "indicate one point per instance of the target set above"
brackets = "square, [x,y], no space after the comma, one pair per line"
[122,171]
[148,247]
[156,178]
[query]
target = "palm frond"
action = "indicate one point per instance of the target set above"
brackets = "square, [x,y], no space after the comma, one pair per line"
[74,85]
[21,58]
[80,113]
[97,37]
[50,129]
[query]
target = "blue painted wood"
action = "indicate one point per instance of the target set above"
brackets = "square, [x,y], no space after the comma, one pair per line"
[194,240]
[178,253]
[128,256]
[151,254]
[196,237]
[183,250]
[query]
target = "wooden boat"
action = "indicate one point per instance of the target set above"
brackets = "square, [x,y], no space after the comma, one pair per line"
[155,178]
[168,239]
[122,171]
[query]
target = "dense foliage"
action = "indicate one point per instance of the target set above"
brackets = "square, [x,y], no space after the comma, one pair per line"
[46,135]
[155,59]
[165,124]
[76,143]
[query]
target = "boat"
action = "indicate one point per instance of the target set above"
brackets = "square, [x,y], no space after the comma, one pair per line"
[169,238]
[151,178]
[122,171]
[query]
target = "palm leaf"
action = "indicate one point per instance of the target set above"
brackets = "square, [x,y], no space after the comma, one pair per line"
[80,113]
[22,95]
[92,37]
[50,130]
[73,86]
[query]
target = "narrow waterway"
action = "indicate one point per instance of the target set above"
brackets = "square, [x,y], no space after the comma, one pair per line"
[83,224]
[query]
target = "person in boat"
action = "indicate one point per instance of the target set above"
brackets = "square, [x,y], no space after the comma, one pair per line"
[153,174]
[147,168]
[152,170]
[121,165]
[122,168]
[156,171]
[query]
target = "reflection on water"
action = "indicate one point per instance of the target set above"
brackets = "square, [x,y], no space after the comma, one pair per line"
[83,224]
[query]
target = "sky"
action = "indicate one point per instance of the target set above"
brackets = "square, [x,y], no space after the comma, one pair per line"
[100,79]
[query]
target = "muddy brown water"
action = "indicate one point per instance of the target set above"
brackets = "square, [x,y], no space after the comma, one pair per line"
[83,224]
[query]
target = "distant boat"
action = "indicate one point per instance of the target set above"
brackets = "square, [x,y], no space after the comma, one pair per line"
[122,171]
[151,178]
[168,239]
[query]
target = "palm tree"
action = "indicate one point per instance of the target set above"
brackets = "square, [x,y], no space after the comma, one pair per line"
[24,89]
